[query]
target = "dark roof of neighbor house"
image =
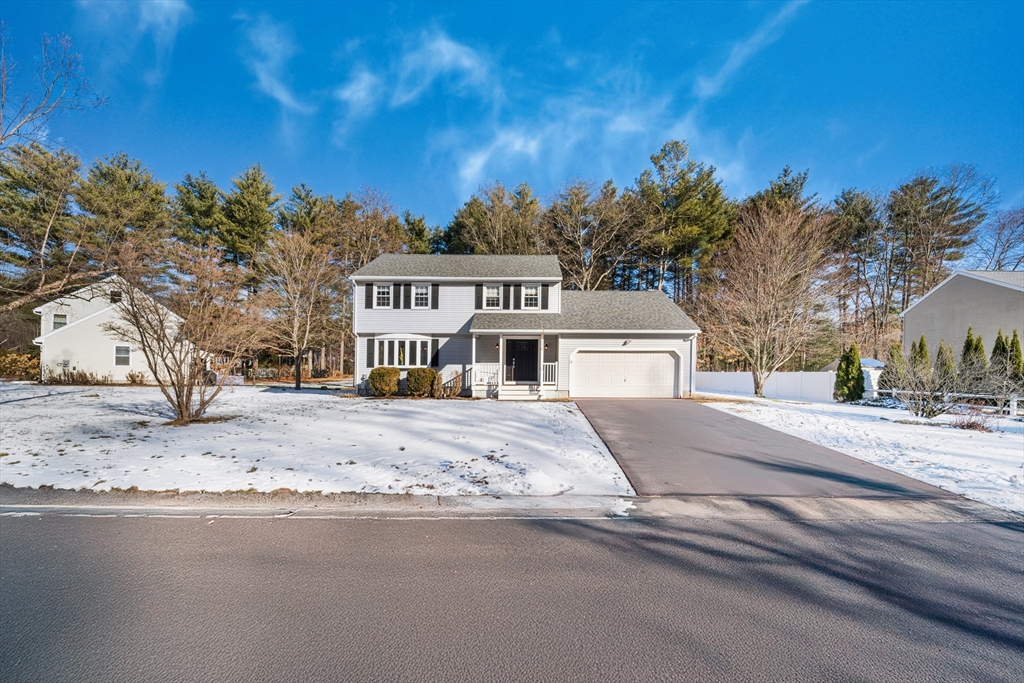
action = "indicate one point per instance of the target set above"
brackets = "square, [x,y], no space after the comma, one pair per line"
[1014,278]
[461,266]
[641,311]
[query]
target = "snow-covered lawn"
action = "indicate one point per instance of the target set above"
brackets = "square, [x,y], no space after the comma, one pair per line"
[987,467]
[106,437]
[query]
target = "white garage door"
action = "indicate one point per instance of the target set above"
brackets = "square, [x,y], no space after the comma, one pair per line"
[613,374]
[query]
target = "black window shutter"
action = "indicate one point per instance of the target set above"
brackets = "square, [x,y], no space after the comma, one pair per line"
[507,303]
[369,295]
[434,355]
[517,299]
[435,290]
[407,297]
[396,294]
[369,353]
[479,297]
[544,297]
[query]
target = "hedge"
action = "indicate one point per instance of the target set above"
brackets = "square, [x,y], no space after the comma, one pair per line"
[420,380]
[384,381]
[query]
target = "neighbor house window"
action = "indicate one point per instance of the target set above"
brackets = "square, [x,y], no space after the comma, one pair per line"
[59,320]
[122,355]
[115,296]
[383,296]
[492,296]
[421,296]
[531,296]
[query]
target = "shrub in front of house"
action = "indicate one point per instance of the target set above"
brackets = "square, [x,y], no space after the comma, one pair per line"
[384,381]
[20,366]
[420,381]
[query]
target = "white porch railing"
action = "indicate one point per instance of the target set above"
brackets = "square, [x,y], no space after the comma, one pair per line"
[550,373]
[486,373]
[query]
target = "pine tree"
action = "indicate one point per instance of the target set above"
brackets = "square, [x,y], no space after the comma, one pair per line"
[895,369]
[842,371]
[198,210]
[978,354]
[249,210]
[1016,359]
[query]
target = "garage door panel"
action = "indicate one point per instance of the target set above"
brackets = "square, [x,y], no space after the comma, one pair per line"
[633,374]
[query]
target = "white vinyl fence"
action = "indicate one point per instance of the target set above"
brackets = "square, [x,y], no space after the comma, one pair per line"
[800,386]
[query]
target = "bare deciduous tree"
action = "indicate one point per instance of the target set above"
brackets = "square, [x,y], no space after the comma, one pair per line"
[301,294]
[1000,244]
[190,320]
[61,85]
[773,291]
[593,231]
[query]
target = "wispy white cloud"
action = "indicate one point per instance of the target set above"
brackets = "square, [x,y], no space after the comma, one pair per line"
[126,24]
[359,97]
[767,33]
[438,56]
[267,50]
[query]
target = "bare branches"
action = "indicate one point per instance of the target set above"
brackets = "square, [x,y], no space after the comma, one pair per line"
[1001,242]
[300,293]
[189,319]
[593,231]
[772,292]
[60,85]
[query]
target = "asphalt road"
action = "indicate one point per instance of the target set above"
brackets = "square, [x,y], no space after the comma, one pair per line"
[186,599]
[673,447]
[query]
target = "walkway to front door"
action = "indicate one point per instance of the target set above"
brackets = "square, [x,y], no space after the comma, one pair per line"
[521,360]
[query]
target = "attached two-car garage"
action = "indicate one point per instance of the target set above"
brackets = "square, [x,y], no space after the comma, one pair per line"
[624,374]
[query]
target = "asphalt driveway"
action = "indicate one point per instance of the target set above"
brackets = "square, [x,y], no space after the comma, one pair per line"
[680,447]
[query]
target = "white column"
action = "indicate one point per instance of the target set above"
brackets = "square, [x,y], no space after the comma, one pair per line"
[501,359]
[540,364]
[472,367]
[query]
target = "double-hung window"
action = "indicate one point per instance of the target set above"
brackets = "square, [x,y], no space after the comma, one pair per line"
[59,320]
[421,296]
[122,355]
[383,299]
[492,296]
[531,296]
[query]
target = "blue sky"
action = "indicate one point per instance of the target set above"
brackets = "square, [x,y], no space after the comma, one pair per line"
[426,101]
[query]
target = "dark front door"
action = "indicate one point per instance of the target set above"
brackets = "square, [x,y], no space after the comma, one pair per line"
[520,360]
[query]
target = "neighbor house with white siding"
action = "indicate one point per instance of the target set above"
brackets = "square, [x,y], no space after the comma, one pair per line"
[506,324]
[71,335]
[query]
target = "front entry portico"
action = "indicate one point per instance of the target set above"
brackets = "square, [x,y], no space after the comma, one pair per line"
[521,361]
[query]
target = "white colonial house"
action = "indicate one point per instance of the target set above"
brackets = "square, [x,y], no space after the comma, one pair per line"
[506,324]
[71,335]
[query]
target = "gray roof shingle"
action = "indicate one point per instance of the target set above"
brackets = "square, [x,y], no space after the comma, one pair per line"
[641,311]
[461,266]
[1014,278]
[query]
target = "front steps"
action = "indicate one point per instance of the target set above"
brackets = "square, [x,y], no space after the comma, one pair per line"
[520,392]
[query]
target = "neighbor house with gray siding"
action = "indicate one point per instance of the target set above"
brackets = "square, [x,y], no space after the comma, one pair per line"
[985,300]
[506,324]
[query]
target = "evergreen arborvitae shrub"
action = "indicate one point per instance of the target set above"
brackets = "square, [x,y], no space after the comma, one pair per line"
[965,354]
[1016,359]
[420,381]
[894,370]
[919,357]
[945,366]
[384,381]
[849,376]
[1000,359]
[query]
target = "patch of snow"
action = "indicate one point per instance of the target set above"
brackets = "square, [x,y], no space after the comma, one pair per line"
[114,437]
[984,466]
